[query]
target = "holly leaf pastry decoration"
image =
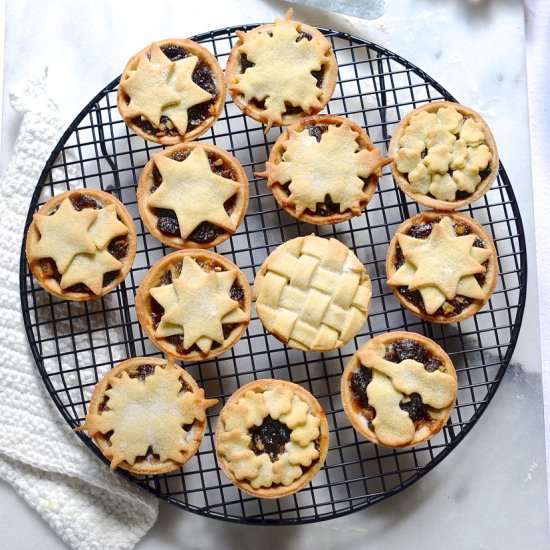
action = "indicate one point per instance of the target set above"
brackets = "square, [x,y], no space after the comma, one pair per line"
[198,304]
[442,266]
[193,192]
[281,74]
[331,166]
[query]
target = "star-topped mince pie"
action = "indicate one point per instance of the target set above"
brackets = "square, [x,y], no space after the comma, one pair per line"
[271,438]
[281,72]
[147,415]
[444,155]
[399,389]
[192,195]
[194,304]
[81,244]
[312,293]
[323,169]
[171,91]
[442,266]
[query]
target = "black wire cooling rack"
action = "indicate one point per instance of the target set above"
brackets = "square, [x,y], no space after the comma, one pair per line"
[74,344]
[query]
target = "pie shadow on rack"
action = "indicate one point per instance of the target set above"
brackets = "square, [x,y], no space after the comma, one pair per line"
[74,344]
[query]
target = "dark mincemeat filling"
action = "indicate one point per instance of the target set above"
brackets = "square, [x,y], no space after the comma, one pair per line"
[157,311]
[396,352]
[118,248]
[450,308]
[202,76]
[271,438]
[205,232]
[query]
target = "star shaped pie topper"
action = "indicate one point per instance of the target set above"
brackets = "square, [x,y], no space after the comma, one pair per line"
[158,86]
[442,266]
[198,304]
[195,193]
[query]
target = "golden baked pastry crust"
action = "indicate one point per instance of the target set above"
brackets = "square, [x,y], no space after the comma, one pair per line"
[214,110]
[196,195]
[212,263]
[194,407]
[297,86]
[312,293]
[490,273]
[228,442]
[444,389]
[46,279]
[335,154]
[427,200]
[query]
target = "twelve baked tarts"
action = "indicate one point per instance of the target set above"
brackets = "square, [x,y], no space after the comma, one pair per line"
[171,91]
[192,195]
[323,169]
[280,72]
[398,389]
[81,244]
[147,415]
[194,304]
[444,154]
[271,438]
[442,266]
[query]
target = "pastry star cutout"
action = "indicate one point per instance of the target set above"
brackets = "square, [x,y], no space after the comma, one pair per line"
[198,304]
[64,234]
[106,227]
[193,192]
[441,266]
[282,69]
[331,166]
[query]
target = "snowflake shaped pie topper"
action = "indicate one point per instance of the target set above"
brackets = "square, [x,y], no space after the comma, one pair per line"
[282,65]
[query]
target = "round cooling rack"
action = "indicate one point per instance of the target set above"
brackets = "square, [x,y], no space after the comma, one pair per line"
[74,344]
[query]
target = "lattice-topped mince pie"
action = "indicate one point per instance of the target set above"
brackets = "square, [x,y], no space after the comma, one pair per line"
[323,169]
[192,195]
[312,293]
[271,438]
[194,304]
[444,155]
[280,72]
[147,415]
[442,266]
[399,389]
[171,91]
[81,244]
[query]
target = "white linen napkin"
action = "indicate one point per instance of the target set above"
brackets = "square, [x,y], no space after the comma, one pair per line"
[87,505]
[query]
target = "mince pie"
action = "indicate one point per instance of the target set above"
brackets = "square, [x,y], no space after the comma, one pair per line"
[171,91]
[194,304]
[192,195]
[280,72]
[147,415]
[444,155]
[442,266]
[399,389]
[323,169]
[312,293]
[81,244]
[271,438]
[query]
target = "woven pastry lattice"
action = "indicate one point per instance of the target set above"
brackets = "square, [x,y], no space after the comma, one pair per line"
[74,344]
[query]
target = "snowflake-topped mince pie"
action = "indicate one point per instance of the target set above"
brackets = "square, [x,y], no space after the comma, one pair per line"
[81,244]
[323,169]
[444,155]
[271,438]
[280,72]
[192,195]
[147,415]
[313,293]
[194,304]
[399,389]
[171,91]
[442,266]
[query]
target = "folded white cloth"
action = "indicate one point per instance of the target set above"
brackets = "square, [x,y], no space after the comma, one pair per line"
[87,505]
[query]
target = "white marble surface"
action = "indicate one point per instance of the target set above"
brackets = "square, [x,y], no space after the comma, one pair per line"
[491,491]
